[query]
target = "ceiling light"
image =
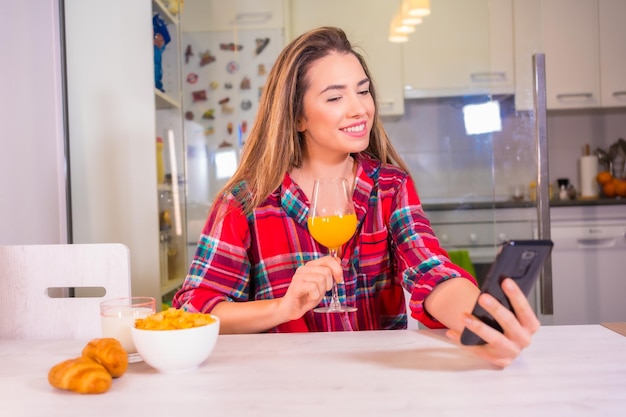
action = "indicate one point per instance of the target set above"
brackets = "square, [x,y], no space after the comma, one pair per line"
[398,37]
[418,8]
[399,27]
[406,18]
[395,36]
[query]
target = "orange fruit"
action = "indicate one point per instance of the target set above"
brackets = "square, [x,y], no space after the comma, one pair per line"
[608,189]
[604,177]
[620,188]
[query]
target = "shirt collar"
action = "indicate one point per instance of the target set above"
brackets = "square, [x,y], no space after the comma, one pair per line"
[296,205]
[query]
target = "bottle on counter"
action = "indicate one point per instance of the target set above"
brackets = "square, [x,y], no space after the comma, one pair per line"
[159,160]
[563,184]
[532,191]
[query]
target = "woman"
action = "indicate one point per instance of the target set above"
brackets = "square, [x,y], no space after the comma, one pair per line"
[258,268]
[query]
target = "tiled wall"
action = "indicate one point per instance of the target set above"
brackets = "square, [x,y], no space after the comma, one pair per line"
[449,164]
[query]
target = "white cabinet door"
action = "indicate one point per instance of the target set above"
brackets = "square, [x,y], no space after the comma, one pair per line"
[571,44]
[527,42]
[366,22]
[462,47]
[612,52]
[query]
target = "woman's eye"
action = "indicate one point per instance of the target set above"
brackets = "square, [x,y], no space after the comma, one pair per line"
[333,98]
[364,92]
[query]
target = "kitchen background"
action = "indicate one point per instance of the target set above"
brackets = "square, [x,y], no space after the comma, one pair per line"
[102,98]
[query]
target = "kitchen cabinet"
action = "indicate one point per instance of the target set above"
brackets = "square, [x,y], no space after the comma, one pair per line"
[587,264]
[220,15]
[585,59]
[612,53]
[461,48]
[571,44]
[527,40]
[366,22]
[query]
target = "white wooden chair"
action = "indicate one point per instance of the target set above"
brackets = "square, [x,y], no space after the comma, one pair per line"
[54,291]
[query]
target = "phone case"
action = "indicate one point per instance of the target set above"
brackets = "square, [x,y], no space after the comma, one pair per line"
[521,260]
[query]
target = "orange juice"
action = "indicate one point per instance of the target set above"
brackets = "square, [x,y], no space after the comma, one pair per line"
[332,231]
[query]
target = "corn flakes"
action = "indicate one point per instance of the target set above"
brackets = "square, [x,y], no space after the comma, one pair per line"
[172,319]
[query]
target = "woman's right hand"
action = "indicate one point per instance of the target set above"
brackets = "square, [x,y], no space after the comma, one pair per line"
[308,286]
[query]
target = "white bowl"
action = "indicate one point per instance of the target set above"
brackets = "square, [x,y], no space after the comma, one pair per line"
[174,351]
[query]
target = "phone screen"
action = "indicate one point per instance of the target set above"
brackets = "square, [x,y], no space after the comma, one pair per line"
[520,260]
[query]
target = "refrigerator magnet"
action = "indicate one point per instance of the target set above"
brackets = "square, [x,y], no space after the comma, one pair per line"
[246,105]
[230,46]
[261,43]
[209,114]
[206,58]
[199,95]
[232,67]
[188,54]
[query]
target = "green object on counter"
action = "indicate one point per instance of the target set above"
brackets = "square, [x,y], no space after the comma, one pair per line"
[462,259]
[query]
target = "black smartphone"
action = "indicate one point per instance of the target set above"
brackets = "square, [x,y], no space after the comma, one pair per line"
[522,261]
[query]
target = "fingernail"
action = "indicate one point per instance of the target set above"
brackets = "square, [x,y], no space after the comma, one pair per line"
[487,301]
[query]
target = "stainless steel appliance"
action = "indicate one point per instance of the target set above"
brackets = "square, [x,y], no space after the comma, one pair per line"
[480,231]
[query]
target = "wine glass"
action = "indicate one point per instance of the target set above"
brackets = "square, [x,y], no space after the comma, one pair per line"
[332,222]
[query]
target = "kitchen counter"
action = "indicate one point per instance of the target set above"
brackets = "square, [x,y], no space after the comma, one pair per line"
[478,205]
[572,371]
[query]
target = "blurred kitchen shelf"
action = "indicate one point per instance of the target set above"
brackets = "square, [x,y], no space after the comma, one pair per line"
[167,16]
[164,101]
[164,187]
[172,285]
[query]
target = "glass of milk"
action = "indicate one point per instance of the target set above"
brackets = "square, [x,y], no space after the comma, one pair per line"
[118,316]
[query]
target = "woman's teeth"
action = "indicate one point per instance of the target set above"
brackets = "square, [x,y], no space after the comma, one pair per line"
[354,129]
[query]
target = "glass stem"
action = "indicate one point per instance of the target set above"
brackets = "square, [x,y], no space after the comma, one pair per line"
[334,301]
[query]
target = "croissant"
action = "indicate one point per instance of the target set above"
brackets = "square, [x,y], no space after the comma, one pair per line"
[109,353]
[82,375]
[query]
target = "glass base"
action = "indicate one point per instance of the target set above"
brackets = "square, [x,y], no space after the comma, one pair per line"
[339,309]
[134,358]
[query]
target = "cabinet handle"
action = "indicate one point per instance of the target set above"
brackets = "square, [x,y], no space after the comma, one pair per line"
[247,18]
[386,104]
[596,242]
[619,93]
[488,76]
[574,95]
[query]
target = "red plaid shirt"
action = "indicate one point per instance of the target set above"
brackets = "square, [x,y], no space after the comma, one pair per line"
[243,258]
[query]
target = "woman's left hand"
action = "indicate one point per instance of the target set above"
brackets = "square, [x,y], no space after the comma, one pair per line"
[502,348]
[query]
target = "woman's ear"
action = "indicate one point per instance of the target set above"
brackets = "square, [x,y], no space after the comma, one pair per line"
[300,124]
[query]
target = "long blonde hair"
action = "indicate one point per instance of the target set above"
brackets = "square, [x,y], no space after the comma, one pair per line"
[274,145]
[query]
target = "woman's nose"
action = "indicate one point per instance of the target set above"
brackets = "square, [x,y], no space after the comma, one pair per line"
[357,107]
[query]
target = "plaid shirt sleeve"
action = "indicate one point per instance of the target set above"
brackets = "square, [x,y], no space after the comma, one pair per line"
[222,251]
[420,261]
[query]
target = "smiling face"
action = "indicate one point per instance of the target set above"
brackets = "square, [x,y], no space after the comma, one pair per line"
[338,108]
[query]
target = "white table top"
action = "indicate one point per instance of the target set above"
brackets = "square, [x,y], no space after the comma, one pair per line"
[568,371]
